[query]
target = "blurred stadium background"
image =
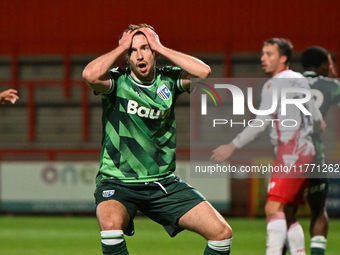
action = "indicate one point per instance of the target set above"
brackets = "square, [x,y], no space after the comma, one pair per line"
[50,139]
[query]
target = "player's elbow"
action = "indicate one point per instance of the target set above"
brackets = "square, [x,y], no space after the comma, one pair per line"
[88,75]
[205,72]
[92,74]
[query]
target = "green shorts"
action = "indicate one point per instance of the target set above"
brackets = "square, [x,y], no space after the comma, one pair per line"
[164,201]
[318,187]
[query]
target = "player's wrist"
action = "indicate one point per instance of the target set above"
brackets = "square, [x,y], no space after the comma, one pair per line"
[123,48]
[159,49]
[236,143]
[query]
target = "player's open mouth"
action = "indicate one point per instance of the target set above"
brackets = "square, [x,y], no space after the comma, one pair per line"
[142,67]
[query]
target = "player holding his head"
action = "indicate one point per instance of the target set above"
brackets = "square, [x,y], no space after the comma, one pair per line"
[138,154]
[319,70]
[292,145]
[9,96]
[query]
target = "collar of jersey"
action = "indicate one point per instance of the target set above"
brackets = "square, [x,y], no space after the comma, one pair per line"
[310,73]
[140,83]
[286,69]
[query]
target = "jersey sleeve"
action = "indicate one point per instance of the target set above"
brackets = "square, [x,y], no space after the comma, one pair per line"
[336,92]
[114,74]
[250,133]
[174,75]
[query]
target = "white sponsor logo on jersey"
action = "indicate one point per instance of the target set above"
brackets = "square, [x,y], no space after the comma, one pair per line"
[142,111]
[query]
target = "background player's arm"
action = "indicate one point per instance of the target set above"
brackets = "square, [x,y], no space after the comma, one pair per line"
[250,133]
[247,135]
[95,73]
[193,67]
[331,70]
[336,93]
[317,118]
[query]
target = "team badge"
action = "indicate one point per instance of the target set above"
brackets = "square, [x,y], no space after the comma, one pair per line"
[163,92]
[108,193]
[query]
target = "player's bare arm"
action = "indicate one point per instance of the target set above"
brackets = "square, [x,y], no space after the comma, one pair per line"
[9,96]
[95,73]
[222,152]
[331,70]
[247,135]
[323,126]
[193,67]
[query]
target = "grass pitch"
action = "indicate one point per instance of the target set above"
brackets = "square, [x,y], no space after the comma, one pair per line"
[32,235]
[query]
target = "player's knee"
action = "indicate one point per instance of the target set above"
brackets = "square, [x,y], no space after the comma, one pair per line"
[228,232]
[290,219]
[269,211]
[109,226]
[112,215]
[272,208]
[225,232]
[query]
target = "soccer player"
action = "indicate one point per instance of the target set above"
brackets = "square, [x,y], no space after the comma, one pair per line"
[9,96]
[319,70]
[138,154]
[292,145]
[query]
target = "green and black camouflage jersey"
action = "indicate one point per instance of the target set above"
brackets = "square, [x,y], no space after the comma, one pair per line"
[139,130]
[326,92]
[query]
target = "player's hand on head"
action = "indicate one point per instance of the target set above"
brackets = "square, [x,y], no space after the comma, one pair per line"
[9,96]
[331,70]
[126,40]
[152,37]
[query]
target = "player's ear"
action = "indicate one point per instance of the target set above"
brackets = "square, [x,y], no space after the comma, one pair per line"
[126,57]
[155,54]
[323,69]
[283,59]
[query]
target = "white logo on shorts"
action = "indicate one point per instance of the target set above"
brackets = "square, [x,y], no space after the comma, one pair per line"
[271,185]
[108,193]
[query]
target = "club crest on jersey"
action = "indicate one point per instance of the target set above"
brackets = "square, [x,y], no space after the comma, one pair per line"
[163,92]
[108,193]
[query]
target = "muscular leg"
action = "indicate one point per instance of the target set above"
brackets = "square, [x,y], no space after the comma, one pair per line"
[276,227]
[319,224]
[295,235]
[113,218]
[290,212]
[112,215]
[290,219]
[206,221]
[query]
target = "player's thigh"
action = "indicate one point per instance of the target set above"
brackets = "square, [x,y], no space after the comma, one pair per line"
[169,200]
[272,207]
[205,220]
[112,215]
[116,206]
